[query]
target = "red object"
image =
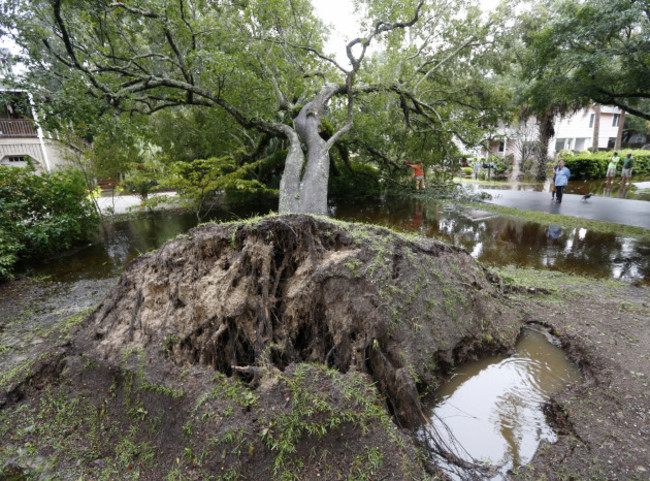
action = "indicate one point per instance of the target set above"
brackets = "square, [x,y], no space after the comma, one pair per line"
[419,170]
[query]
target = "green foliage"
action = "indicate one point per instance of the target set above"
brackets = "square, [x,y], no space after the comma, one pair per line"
[198,182]
[359,180]
[316,412]
[596,50]
[145,175]
[565,154]
[239,72]
[585,166]
[41,215]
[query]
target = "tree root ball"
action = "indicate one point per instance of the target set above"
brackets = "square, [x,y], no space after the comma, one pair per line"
[282,290]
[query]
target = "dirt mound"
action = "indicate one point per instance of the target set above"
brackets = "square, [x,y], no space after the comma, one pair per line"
[292,289]
[290,347]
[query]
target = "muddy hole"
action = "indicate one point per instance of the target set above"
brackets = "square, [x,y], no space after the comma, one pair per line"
[489,413]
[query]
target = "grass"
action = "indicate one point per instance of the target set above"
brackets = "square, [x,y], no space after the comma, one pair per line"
[552,281]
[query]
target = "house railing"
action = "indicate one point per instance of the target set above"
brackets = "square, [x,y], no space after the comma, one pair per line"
[17,128]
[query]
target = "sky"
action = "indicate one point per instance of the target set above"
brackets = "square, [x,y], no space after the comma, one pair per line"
[339,14]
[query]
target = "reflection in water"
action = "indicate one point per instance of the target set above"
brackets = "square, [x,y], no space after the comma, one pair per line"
[486,236]
[120,242]
[502,241]
[492,408]
[553,232]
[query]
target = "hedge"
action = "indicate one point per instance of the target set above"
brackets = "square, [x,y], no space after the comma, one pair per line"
[594,166]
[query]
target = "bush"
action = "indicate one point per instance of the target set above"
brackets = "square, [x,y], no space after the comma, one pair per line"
[467,170]
[41,215]
[565,154]
[594,166]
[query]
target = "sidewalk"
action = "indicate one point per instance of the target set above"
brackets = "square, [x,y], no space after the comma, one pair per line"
[124,204]
[606,209]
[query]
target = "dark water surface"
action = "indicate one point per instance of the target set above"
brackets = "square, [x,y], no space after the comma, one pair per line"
[490,238]
[490,411]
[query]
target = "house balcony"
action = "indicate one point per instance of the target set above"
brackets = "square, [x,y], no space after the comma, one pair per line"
[17,128]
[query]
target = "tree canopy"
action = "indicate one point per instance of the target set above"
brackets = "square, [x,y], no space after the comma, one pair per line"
[593,50]
[263,63]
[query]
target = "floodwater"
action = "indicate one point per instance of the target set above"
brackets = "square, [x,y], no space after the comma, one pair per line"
[498,241]
[490,238]
[490,411]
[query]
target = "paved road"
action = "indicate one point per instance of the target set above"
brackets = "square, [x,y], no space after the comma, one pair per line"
[607,209]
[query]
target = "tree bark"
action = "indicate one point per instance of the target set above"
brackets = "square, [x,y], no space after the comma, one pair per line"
[594,144]
[307,193]
[546,133]
[290,181]
[619,135]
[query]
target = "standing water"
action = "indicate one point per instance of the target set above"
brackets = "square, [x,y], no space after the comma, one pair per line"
[490,411]
[491,239]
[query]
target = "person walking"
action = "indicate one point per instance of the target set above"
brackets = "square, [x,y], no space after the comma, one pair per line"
[562,176]
[418,173]
[611,167]
[626,173]
[476,168]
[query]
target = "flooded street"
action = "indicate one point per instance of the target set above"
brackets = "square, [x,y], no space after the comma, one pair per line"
[492,239]
[639,189]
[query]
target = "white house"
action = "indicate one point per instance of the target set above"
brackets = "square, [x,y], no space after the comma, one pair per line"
[22,138]
[573,132]
[576,132]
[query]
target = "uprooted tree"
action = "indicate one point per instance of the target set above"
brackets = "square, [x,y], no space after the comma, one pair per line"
[265,64]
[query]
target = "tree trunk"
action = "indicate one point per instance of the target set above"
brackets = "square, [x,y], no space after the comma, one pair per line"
[619,135]
[307,193]
[546,133]
[290,181]
[594,144]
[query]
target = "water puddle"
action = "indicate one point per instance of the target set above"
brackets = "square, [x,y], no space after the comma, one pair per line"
[490,411]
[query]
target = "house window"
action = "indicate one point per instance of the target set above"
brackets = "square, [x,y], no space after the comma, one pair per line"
[502,146]
[17,158]
[559,144]
[616,120]
[580,144]
[591,120]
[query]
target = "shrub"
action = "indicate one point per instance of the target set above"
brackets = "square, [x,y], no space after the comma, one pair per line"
[467,170]
[41,215]
[594,166]
[565,153]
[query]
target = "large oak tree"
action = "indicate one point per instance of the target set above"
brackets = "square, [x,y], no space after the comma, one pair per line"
[263,62]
